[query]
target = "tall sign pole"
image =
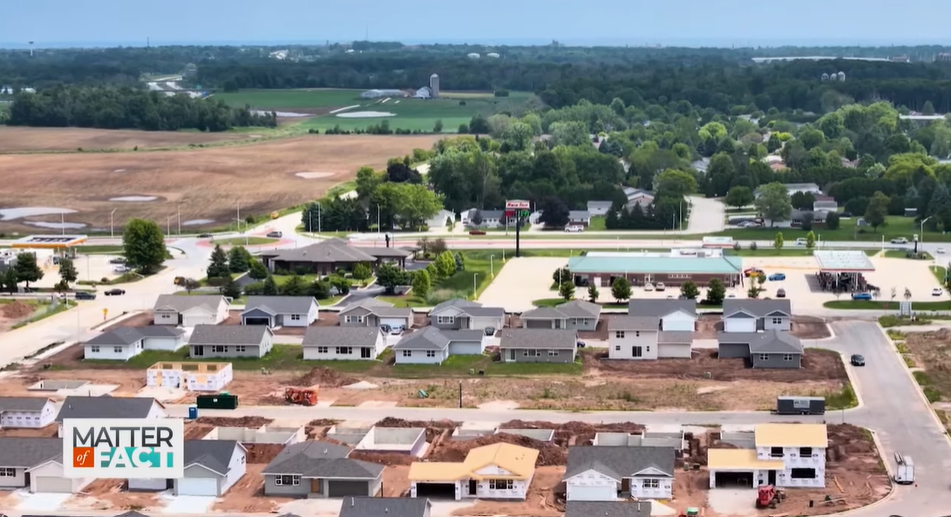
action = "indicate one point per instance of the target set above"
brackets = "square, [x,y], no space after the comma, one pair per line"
[518,209]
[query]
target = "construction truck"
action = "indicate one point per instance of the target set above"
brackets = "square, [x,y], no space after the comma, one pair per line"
[302,396]
[768,496]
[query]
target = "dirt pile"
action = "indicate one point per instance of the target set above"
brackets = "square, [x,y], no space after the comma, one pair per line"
[224,421]
[399,422]
[262,452]
[456,451]
[195,431]
[574,433]
[323,422]
[847,441]
[382,458]
[16,310]
[322,376]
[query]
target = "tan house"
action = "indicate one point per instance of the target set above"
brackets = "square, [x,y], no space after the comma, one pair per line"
[498,471]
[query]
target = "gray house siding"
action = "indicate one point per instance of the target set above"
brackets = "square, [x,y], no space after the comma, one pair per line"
[369,320]
[271,488]
[458,323]
[590,324]
[557,356]
[208,351]
[542,324]
[767,323]
[465,348]
[733,350]
[777,361]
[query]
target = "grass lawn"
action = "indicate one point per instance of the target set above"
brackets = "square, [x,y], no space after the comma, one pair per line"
[896,226]
[282,357]
[289,99]
[886,306]
[341,189]
[597,224]
[460,365]
[940,273]
[245,241]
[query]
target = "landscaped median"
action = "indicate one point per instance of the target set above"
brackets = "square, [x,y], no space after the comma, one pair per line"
[245,241]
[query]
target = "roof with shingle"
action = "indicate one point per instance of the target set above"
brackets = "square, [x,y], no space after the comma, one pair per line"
[675,337]
[175,303]
[214,455]
[619,462]
[633,323]
[228,335]
[769,342]
[23,403]
[280,304]
[331,250]
[105,407]
[468,308]
[130,335]
[20,452]
[660,308]
[379,308]
[758,308]
[341,336]
[539,339]
[608,509]
[432,338]
[321,460]
[384,507]
[572,309]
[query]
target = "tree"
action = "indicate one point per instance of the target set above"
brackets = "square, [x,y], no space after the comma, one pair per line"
[239,259]
[67,271]
[716,292]
[621,289]
[445,264]
[218,268]
[294,286]
[413,204]
[777,242]
[27,269]
[366,182]
[927,108]
[773,202]
[437,127]
[593,293]
[270,286]
[230,288]
[554,212]
[803,200]
[257,270]
[341,284]
[753,291]
[362,272]
[560,275]
[675,182]
[421,284]
[774,143]
[10,280]
[739,197]
[143,245]
[689,290]
[479,125]
[389,277]
[811,240]
[877,210]
[832,221]
[566,290]
[569,133]
[460,262]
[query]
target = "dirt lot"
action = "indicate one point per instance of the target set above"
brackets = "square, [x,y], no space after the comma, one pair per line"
[247,495]
[930,353]
[49,431]
[111,494]
[204,183]
[15,312]
[803,327]
[22,139]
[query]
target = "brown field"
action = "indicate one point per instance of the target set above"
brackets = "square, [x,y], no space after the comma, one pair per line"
[26,139]
[204,183]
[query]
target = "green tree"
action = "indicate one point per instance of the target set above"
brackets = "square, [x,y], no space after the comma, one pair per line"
[362,271]
[778,241]
[478,125]
[877,210]
[621,289]
[566,290]
[421,284]
[239,259]
[753,291]
[560,275]
[460,262]
[294,286]
[257,270]
[739,197]
[10,280]
[27,269]
[569,133]
[716,292]
[230,288]
[389,277]
[927,108]
[689,290]
[675,182]
[811,240]
[366,182]
[270,286]
[774,143]
[593,293]
[431,269]
[143,245]
[67,271]
[773,202]
[437,127]
[445,264]
[832,221]
[218,268]
[341,284]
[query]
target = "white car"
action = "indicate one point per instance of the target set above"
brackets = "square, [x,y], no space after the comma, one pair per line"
[119,268]
[800,242]
[940,251]
[648,286]
[574,229]
[661,286]
[937,291]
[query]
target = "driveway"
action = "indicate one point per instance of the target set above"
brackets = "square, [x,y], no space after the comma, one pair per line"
[521,281]
[706,216]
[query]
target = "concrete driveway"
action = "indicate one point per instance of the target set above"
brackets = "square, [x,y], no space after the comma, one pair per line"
[707,215]
[521,281]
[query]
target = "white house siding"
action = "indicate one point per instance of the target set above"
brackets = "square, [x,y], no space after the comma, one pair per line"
[673,351]
[792,460]
[420,357]
[207,486]
[112,352]
[484,487]
[591,486]
[303,320]
[29,419]
[663,491]
[739,325]
[776,323]
[197,316]
[49,478]
[330,353]
[165,318]
[623,347]
[678,321]
[465,348]
[16,481]
[236,469]
[164,343]
[147,484]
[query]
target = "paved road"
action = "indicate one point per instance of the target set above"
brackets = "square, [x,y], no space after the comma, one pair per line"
[707,216]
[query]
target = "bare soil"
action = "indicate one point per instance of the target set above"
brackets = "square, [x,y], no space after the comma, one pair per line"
[247,495]
[204,183]
[23,139]
[49,431]
[931,353]
[249,422]
[803,327]
[457,450]
[262,453]
[112,494]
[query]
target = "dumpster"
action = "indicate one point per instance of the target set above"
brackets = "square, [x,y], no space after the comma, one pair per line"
[220,401]
[192,412]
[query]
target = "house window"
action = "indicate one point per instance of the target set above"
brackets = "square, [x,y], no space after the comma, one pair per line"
[344,350]
[617,348]
[637,333]
[240,348]
[295,317]
[430,353]
[322,349]
[764,357]
[552,353]
[637,351]
[777,321]
[775,452]
[407,353]
[805,452]
[651,483]
[117,349]
[531,353]
[802,473]
[94,349]
[445,320]
[353,319]
[287,480]
[8,473]
[219,348]
[501,484]
[619,334]
[788,357]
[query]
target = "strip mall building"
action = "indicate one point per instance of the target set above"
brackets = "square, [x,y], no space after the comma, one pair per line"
[673,268]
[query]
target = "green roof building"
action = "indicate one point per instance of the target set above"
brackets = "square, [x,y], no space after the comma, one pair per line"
[671,269]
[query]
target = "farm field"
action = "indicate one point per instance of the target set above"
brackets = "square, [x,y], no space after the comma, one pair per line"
[206,184]
[39,139]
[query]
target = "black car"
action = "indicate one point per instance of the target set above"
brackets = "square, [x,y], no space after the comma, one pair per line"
[204,235]
[117,260]
[85,295]
[275,235]
[857,360]
[115,292]
[581,344]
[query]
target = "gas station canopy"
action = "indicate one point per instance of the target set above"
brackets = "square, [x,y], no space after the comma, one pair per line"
[843,261]
[49,241]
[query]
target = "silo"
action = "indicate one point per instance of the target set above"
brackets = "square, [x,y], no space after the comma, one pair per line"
[825,77]
[434,85]
[840,76]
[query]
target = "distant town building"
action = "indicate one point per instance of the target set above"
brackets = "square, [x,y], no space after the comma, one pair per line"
[191,70]
[492,55]
[474,55]
[434,86]
[943,56]
[376,94]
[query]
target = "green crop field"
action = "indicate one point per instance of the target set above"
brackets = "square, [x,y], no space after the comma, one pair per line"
[289,99]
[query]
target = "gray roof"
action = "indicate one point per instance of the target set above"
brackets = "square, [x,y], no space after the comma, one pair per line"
[215,455]
[228,335]
[22,403]
[130,335]
[758,308]
[539,339]
[318,459]
[384,507]
[468,308]
[432,338]
[574,215]
[367,303]
[607,509]
[619,462]
[387,252]
[380,308]
[331,250]
[634,323]
[660,308]
[599,204]
[674,337]
[572,309]
[105,407]
[769,342]
[280,304]
[208,302]
[341,336]
[29,452]
[492,214]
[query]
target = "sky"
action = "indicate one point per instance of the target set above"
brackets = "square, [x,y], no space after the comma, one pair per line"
[52,23]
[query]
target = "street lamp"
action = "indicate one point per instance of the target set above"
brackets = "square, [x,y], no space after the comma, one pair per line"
[112,223]
[921,236]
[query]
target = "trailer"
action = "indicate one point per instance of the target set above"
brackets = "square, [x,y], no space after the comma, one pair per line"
[905,471]
[800,406]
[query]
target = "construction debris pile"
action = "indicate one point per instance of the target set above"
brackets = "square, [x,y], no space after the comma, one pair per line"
[574,433]
[250,422]
[456,451]
[324,377]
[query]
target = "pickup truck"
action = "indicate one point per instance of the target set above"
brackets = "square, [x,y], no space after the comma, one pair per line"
[900,240]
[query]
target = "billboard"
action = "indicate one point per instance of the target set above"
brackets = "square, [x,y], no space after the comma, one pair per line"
[517,208]
[130,448]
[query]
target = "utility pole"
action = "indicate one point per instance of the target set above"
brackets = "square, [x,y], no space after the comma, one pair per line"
[112,224]
[179,219]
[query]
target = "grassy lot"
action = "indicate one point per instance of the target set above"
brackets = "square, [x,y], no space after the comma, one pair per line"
[886,305]
[896,226]
[933,355]
[42,306]
[904,254]
[282,357]
[844,399]
[341,189]
[940,273]
[245,241]
[286,100]
[460,365]
[597,224]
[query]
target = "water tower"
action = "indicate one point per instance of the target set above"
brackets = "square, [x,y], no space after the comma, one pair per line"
[434,85]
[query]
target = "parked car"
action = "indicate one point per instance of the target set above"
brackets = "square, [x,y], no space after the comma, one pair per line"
[940,251]
[117,260]
[753,272]
[85,295]
[384,328]
[862,296]
[661,286]
[800,242]
[857,360]
[777,276]
[648,286]
[780,293]
[574,229]
[476,232]
[275,235]
[900,240]
[490,331]
[204,235]
[115,292]
[937,291]
[396,330]
[120,268]
[581,344]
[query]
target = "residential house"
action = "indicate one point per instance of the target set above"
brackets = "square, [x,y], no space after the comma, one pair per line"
[609,473]
[316,469]
[432,345]
[599,207]
[579,218]
[370,312]
[459,314]
[442,219]
[785,455]
[209,341]
[280,311]
[124,343]
[26,412]
[675,315]
[770,349]
[385,507]
[350,343]
[498,471]
[750,315]
[211,468]
[573,315]
[109,407]
[326,257]
[528,345]
[608,509]
[637,197]
[640,338]
[188,311]
[489,218]
[36,464]
[211,377]
[825,204]
[791,188]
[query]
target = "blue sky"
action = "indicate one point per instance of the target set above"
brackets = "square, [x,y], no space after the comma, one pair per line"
[690,22]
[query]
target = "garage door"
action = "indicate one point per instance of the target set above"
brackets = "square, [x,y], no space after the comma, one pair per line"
[734,479]
[191,321]
[592,493]
[436,490]
[465,348]
[198,486]
[537,324]
[257,321]
[393,322]
[47,484]
[674,350]
[345,488]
